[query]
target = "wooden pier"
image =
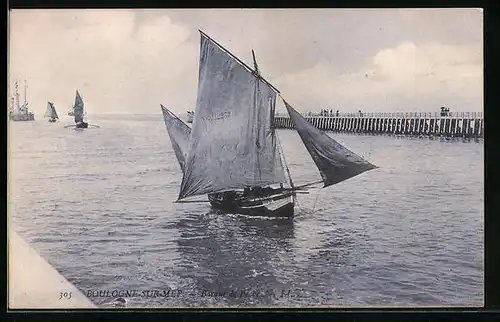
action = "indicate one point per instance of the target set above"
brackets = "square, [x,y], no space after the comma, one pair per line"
[458,124]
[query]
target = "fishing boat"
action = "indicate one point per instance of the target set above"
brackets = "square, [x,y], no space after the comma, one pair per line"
[233,154]
[190,116]
[51,112]
[79,113]
[19,112]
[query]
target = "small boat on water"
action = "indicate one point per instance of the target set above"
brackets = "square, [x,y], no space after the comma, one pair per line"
[71,112]
[51,112]
[20,113]
[79,113]
[233,153]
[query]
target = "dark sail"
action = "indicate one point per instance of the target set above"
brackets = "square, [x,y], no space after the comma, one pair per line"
[334,161]
[233,144]
[48,111]
[78,108]
[53,111]
[179,134]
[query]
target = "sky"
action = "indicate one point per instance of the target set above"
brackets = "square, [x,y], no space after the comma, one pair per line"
[131,61]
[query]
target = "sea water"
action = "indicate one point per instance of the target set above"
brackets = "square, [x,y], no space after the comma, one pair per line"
[98,205]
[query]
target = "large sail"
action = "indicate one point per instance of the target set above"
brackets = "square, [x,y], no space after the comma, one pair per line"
[179,134]
[233,144]
[334,161]
[78,108]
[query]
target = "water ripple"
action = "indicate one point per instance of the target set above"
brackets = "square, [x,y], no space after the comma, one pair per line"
[102,212]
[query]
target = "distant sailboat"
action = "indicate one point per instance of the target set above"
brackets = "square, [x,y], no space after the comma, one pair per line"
[79,113]
[51,113]
[232,153]
[190,116]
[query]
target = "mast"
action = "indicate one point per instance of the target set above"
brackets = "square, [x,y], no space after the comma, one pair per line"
[16,94]
[256,67]
[232,144]
[280,148]
[256,89]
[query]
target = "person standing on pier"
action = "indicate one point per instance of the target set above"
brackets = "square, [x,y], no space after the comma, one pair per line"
[444,111]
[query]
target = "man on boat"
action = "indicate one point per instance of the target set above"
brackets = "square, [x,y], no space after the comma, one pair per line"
[227,196]
[252,191]
[260,191]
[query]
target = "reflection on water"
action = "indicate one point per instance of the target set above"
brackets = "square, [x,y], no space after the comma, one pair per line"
[237,256]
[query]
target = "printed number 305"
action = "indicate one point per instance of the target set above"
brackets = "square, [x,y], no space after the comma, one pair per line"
[65,295]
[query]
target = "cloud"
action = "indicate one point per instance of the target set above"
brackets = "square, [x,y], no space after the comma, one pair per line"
[117,66]
[406,77]
[290,40]
[130,61]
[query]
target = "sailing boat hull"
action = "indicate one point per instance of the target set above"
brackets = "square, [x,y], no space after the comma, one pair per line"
[82,125]
[21,117]
[281,205]
[52,120]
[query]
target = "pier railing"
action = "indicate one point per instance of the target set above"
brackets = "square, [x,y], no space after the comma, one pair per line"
[473,115]
[454,124]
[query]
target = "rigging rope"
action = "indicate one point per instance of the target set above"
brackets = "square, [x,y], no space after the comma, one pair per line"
[281,152]
[287,169]
[284,159]
[316,200]
[291,183]
[314,204]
